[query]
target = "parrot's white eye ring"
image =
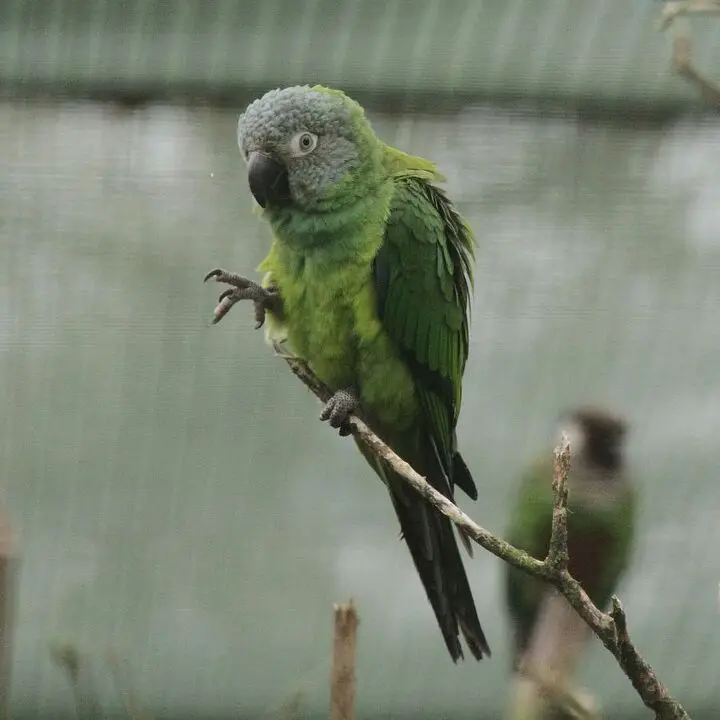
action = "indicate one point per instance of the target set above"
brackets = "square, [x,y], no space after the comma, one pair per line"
[303,143]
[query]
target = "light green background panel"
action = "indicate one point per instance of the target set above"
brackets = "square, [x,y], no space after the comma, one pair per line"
[176,498]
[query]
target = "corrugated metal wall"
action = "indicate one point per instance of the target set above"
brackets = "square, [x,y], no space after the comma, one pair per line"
[603,50]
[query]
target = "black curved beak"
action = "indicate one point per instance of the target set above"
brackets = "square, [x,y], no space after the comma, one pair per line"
[268,180]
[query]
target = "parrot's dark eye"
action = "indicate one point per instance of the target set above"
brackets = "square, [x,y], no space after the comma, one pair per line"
[303,143]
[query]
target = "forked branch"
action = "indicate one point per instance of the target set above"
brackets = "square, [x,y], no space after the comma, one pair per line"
[610,627]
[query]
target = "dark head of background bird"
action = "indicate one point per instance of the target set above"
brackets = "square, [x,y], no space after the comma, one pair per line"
[602,438]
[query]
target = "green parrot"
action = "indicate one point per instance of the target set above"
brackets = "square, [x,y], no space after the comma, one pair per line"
[549,637]
[368,280]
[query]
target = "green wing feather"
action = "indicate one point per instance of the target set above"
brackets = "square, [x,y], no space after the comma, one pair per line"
[423,279]
[599,544]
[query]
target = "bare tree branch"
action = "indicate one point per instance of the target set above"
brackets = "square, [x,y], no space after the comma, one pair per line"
[610,628]
[676,14]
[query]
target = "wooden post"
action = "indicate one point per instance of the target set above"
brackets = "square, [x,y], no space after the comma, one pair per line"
[342,676]
[8,568]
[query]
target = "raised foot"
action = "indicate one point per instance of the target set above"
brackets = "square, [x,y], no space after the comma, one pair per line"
[338,409]
[244,289]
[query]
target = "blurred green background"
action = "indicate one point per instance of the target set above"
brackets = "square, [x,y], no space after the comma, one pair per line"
[178,508]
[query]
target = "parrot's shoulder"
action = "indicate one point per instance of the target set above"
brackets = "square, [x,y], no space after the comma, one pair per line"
[400,164]
[425,211]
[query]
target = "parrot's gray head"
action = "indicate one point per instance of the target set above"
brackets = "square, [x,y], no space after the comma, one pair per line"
[596,436]
[302,145]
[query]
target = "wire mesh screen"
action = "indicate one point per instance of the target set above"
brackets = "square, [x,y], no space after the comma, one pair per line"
[184,524]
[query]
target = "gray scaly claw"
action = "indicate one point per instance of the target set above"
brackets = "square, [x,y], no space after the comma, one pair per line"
[338,409]
[243,289]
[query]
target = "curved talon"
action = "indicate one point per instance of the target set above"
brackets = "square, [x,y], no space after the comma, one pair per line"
[213,273]
[225,294]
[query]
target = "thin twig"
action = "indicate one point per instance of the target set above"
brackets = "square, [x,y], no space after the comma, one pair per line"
[610,628]
[675,14]
[342,675]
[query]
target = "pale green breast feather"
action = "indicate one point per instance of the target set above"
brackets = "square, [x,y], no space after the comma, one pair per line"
[331,322]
